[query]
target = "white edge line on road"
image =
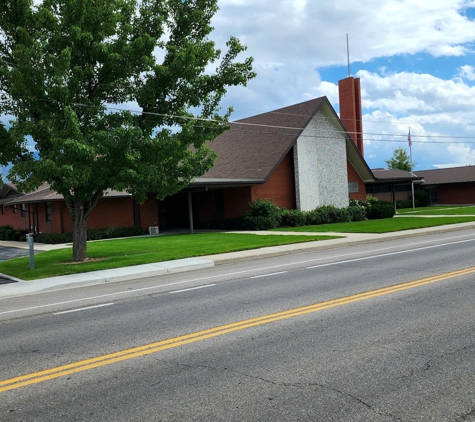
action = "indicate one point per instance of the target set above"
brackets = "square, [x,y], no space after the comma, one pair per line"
[158,286]
[193,288]
[82,309]
[268,275]
[381,255]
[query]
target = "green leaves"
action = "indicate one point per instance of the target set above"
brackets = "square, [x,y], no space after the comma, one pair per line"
[71,68]
[400,160]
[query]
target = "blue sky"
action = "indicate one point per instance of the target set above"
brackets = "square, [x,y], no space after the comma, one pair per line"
[415,59]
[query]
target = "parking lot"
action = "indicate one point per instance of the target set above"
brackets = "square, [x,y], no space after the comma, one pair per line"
[9,253]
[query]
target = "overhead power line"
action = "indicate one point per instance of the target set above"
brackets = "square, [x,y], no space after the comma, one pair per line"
[240,123]
[276,112]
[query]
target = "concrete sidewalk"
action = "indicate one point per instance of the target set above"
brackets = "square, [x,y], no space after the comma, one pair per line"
[21,287]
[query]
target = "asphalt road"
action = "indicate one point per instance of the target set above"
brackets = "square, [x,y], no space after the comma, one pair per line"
[325,350]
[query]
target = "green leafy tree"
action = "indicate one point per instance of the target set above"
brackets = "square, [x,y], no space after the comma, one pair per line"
[70,70]
[400,160]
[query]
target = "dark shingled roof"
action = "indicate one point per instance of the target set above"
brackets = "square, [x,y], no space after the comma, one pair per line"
[45,194]
[395,175]
[8,192]
[253,148]
[448,175]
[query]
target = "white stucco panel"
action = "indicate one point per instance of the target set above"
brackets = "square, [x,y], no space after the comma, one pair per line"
[320,166]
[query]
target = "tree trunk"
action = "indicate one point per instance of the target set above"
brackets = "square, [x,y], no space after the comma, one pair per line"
[79,212]
[79,233]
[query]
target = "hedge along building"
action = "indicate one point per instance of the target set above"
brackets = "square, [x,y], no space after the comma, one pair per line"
[300,157]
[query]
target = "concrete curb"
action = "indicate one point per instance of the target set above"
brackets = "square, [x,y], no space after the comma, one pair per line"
[21,287]
[357,239]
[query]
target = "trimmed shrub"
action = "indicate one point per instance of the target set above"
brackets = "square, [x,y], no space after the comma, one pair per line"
[263,208]
[380,209]
[262,215]
[20,235]
[371,199]
[407,203]
[341,215]
[292,218]
[114,232]
[422,197]
[53,238]
[314,218]
[97,234]
[404,203]
[9,233]
[6,232]
[129,231]
[356,212]
[259,223]
[327,214]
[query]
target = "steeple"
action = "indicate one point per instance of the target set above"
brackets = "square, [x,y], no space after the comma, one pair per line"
[350,109]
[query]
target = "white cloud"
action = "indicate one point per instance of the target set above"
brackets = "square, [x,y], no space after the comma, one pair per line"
[467,72]
[304,37]
[463,154]
[419,94]
[439,113]
[315,31]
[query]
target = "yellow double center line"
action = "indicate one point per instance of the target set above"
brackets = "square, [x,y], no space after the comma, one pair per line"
[84,365]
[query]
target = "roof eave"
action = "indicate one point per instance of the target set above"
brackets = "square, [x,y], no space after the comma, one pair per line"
[358,162]
[223,182]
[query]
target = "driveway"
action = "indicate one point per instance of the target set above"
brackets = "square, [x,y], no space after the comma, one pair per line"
[9,253]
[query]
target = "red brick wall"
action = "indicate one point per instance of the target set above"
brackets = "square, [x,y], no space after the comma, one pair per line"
[353,176]
[148,212]
[236,201]
[9,218]
[350,109]
[109,212]
[387,196]
[280,188]
[460,193]
[56,225]
[112,212]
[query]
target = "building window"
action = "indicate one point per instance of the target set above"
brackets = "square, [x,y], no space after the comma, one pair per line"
[352,187]
[3,209]
[22,210]
[48,211]
[403,188]
[14,209]
[378,188]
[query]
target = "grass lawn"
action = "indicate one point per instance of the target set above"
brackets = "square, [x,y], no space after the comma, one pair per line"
[385,225]
[448,210]
[127,252]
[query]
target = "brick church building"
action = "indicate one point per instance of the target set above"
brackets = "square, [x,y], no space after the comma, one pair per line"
[300,157]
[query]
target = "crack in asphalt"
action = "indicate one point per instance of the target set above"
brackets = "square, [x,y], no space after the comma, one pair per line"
[429,363]
[289,384]
[466,416]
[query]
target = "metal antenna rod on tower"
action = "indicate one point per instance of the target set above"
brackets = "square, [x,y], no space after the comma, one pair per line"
[348,54]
